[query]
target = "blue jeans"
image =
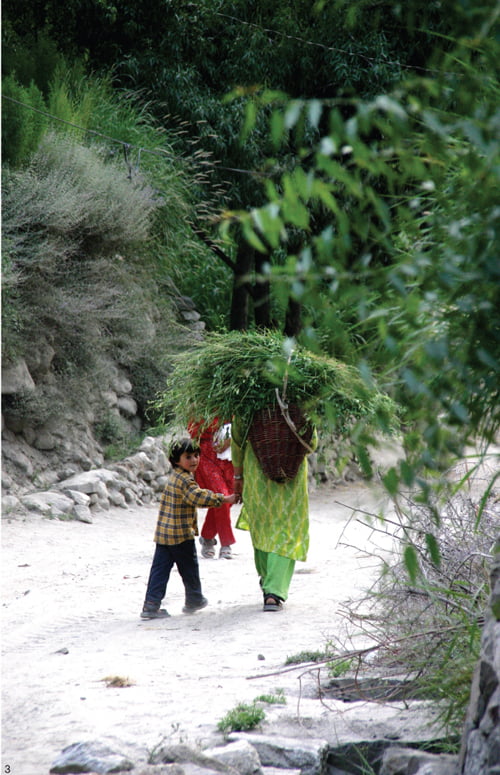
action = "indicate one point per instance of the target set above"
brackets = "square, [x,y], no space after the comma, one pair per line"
[165,557]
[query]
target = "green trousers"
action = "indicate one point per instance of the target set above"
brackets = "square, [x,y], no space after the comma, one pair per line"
[275,572]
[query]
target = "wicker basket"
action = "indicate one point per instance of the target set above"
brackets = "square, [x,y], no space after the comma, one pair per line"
[276,447]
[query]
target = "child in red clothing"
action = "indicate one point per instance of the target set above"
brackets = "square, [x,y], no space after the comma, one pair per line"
[214,473]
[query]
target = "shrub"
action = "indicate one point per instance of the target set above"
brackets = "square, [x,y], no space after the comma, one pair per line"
[430,627]
[22,125]
[75,230]
[242,718]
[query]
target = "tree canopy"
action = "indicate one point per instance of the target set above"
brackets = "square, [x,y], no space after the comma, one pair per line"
[351,152]
[184,57]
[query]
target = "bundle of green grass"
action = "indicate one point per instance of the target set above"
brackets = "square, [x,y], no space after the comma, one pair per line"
[238,373]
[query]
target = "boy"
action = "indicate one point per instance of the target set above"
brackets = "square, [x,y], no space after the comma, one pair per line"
[175,531]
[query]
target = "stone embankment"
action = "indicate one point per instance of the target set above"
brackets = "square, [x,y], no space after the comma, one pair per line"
[56,426]
[249,755]
[139,478]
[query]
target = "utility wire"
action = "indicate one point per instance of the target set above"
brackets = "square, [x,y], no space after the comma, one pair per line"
[325,47]
[126,146]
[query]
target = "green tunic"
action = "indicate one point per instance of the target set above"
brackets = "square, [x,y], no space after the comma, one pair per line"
[277,515]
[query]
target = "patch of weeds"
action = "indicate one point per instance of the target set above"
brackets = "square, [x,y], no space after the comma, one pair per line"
[275,698]
[338,669]
[122,449]
[61,516]
[242,718]
[307,656]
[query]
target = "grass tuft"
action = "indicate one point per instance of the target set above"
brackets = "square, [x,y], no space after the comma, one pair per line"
[242,718]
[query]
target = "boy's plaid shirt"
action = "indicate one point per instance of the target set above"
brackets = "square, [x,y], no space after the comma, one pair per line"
[177,520]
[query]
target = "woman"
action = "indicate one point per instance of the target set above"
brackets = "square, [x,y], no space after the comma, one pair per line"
[275,512]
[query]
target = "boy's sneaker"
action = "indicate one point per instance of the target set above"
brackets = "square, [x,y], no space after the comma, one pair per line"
[152,611]
[207,547]
[190,608]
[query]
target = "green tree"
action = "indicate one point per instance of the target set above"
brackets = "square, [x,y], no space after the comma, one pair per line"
[186,58]
[413,177]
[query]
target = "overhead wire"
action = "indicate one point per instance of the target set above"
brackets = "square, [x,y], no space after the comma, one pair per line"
[269,30]
[326,47]
[126,146]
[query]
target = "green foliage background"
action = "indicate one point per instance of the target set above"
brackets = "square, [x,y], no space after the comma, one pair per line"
[344,158]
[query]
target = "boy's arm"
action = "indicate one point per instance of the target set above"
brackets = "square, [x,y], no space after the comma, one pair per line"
[196,496]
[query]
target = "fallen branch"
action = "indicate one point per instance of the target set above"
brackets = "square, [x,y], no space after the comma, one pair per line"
[357,653]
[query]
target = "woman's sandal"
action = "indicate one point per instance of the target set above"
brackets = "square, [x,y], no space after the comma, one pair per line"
[272,603]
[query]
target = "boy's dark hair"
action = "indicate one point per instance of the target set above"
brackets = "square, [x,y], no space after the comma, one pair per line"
[179,446]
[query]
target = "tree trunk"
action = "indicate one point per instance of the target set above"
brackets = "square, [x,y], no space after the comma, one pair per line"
[261,296]
[245,257]
[293,319]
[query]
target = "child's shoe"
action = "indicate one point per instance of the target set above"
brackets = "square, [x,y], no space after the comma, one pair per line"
[153,611]
[190,608]
[207,547]
[225,553]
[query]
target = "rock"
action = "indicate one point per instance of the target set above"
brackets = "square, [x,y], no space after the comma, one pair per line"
[191,768]
[280,771]
[356,724]
[10,504]
[366,688]
[480,750]
[44,441]
[90,757]
[129,495]
[190,758]
[121,384]
[49,502]
[408,761]
[148,445]
[16,455]
[78,498]
[160,769]
[28,433]
[39,360]
[140,461]
[89,481]
[308,755]
[110,398]
[117,499]
[82,514]
[161,482]
[47,480]
[17,379]
[240,755]
[7,482]
[191,315]
[127,406]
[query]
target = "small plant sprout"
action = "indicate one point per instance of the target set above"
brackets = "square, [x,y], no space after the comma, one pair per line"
[277,697]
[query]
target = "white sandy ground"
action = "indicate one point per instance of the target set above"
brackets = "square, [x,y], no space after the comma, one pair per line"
[75,587]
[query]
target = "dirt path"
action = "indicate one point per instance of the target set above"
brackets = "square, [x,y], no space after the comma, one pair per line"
[72,594]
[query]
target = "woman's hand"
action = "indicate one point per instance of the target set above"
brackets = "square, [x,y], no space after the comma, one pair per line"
[238,487]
